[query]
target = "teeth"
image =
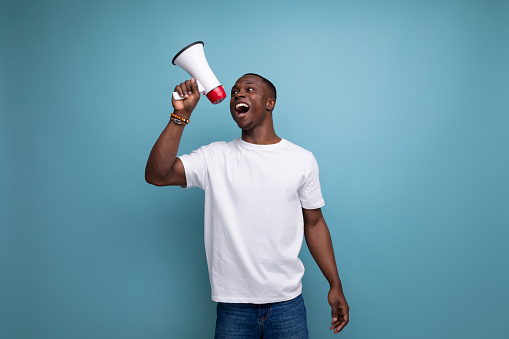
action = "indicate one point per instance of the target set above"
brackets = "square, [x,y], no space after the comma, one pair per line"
[241,105]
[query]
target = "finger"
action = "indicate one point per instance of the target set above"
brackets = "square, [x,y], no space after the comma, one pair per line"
[188,87]
[194,85]
[179,91]
[183,90]
[336,323]
[195,89]
[336,319]
[334,311]
[341,326]
[341,323]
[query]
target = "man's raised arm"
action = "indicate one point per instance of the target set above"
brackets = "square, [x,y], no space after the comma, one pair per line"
[163,167]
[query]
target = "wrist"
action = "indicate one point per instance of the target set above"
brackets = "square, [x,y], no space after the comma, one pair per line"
[182,113]
[179,120]
[335,283]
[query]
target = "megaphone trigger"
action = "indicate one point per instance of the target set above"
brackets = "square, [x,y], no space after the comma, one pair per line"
[201,89]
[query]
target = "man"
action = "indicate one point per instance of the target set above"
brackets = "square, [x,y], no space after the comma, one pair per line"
[262,195]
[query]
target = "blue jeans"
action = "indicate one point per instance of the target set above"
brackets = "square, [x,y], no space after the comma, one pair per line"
[281,320]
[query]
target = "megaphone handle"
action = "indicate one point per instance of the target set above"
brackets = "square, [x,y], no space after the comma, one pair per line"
[201,89]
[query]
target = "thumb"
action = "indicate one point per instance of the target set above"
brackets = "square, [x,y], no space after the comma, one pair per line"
[334,310]
[194,85]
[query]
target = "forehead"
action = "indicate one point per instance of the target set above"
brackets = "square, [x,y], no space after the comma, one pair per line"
[249,79]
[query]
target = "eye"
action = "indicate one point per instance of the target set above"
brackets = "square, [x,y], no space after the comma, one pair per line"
[249,89]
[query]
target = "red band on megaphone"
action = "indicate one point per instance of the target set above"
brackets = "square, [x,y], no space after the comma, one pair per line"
[216,95]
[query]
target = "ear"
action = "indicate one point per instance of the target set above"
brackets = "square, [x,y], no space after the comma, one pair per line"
[270,104]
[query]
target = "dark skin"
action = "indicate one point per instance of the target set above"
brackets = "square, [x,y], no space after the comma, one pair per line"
[251,107]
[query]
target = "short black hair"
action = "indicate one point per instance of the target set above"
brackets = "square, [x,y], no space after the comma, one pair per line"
[267,82]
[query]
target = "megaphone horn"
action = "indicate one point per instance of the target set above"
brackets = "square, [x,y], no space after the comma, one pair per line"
[192,59]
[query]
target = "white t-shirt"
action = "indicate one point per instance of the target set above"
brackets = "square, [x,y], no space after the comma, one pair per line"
[254,195]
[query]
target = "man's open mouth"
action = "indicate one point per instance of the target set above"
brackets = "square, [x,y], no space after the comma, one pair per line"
[241,108]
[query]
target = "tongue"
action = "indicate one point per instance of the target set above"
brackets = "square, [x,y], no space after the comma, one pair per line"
[242,109]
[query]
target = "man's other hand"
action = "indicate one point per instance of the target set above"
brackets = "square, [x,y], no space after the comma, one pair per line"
[339,309]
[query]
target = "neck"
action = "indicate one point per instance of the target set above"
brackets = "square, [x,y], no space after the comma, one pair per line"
[260,136]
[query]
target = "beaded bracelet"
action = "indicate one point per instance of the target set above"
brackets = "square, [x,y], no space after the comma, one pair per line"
[178,120]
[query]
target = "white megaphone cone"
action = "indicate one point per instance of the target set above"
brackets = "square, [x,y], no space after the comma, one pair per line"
[192,59]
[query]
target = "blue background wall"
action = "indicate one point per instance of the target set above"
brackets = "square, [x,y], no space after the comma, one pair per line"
[404,104]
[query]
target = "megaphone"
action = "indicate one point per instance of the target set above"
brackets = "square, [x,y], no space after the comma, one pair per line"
[192,59]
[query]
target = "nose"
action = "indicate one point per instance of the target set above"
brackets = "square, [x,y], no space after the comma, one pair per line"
[240,94]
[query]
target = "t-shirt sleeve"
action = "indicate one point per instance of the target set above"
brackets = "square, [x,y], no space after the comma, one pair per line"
[195,167]
[310,192]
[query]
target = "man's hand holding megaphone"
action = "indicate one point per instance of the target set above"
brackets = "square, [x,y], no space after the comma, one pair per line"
[189,91]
